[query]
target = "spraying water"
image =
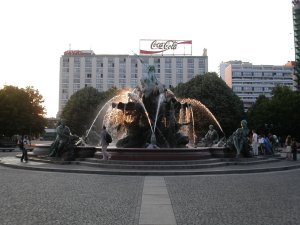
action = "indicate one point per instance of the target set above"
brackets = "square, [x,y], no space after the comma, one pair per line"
[196,104]
[194,135]
[136,98]
[161,96]
[105,105]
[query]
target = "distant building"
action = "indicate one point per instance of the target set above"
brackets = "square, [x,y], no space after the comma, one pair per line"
[296,21]
[83,68]
[249,81]
[223,66]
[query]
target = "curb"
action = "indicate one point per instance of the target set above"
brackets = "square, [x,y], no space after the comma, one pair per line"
[154,172]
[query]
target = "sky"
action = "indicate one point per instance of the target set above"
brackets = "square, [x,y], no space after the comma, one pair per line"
[35,33]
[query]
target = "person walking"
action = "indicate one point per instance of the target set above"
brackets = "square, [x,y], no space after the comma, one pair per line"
[23,149]
[104,143]
[288,144]
[254,143]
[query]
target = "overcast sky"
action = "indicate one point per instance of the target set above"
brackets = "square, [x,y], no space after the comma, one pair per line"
[35,33]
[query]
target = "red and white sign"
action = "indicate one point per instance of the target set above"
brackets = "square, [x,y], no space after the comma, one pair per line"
[165,47]
[79,52]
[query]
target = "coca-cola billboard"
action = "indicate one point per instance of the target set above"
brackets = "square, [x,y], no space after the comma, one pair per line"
[79,52]
[165,47]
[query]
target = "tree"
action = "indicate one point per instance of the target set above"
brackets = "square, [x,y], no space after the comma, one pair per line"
[21,111]
[217,97]
[82,106]
[259,114]
[282,111]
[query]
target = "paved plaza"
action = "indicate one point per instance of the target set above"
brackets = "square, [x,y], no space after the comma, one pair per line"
[31,197]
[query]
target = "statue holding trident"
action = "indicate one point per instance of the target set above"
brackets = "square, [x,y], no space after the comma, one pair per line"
[149,82]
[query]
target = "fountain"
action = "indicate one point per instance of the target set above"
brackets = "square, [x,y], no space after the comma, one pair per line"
[150,123]
[150,117]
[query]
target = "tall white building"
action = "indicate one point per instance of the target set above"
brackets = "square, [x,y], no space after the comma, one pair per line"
[249,81]
[83,68]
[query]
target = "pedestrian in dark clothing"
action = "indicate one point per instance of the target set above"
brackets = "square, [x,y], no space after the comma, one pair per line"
[23,149]
[104,144]
[294,149]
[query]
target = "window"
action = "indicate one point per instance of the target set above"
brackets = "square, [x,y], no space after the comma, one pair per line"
[157,60]
[247,73]
[76,81]
[88,62]
[65,70]
[190,61]
[76,62]
[179,63]
[88,69]
[168,60]
[268,74]
[179,71]
[99,62]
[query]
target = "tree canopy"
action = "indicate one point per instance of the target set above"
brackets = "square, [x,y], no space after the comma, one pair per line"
[213,92]
[21,111]
[279,115]
[82,106]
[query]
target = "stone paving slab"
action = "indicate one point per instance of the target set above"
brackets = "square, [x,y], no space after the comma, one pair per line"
[156,207]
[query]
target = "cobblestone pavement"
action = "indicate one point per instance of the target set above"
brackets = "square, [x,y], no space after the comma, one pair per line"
[12,153]
[38,198]
[45,198]
[249,199]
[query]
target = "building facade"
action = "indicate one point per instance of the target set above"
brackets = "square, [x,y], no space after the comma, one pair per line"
[296,22]
[249,81]
[223,66]
[83,68]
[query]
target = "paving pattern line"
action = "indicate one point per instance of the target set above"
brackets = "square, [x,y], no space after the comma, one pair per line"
[156,207]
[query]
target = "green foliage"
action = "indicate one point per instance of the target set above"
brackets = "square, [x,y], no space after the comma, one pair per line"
[82,108]
[282,111]
[217,97]
[21,111]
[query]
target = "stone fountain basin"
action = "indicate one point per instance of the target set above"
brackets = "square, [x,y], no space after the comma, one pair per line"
[80,151]
[163,154]
[41,149]
[143,154]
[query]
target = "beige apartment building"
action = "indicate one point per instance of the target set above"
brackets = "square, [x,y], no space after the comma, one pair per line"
[84,68]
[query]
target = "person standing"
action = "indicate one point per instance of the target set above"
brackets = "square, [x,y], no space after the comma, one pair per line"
[23,149]
[288,143]
[104,144]
[254,143]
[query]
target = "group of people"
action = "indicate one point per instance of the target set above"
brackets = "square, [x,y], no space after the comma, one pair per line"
[268,144]
[264,144]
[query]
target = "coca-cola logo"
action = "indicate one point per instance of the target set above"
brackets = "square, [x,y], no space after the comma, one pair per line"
[165,45]
[78,52]
[155,46]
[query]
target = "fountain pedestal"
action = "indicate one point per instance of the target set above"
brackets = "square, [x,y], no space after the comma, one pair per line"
[161,154]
